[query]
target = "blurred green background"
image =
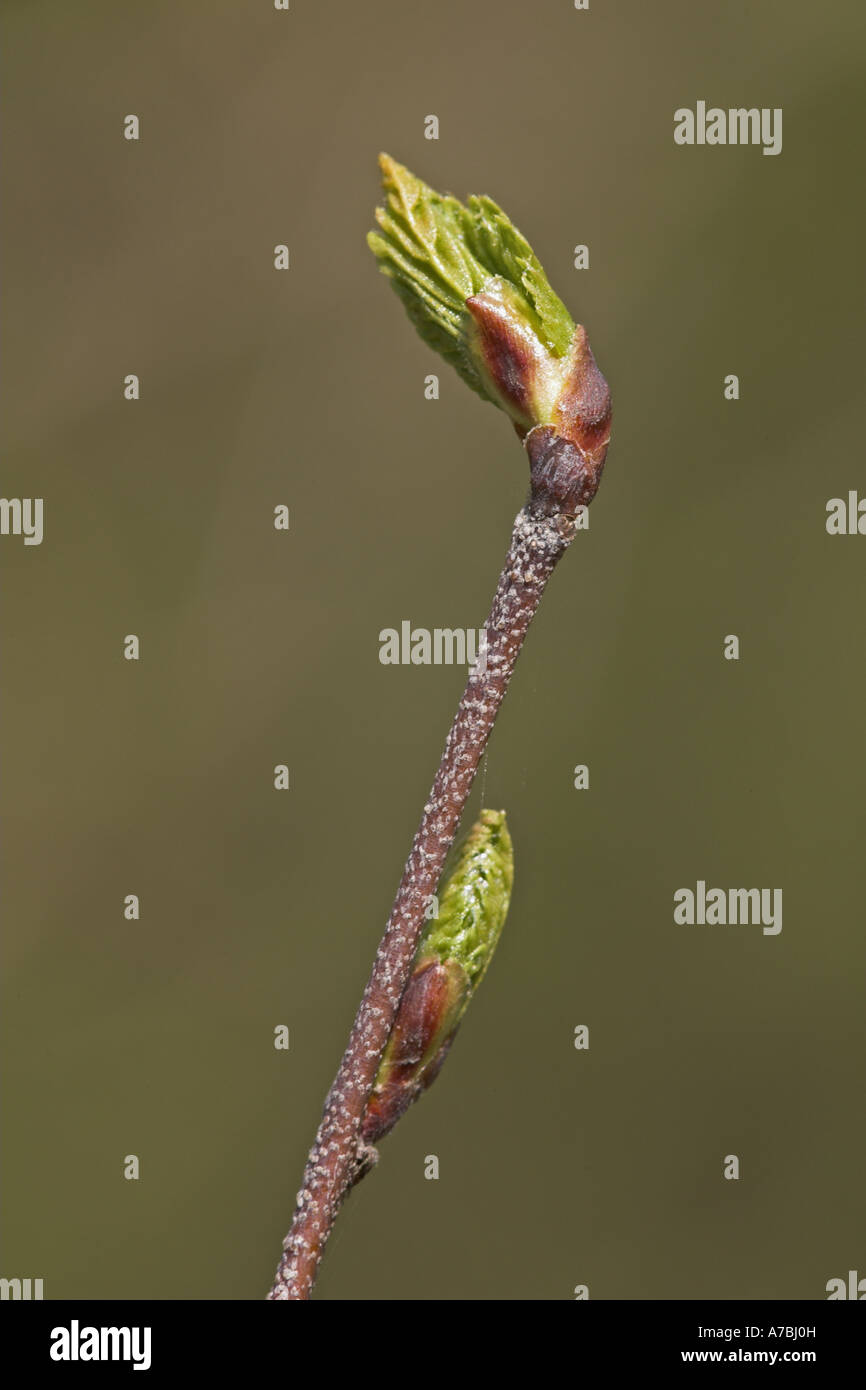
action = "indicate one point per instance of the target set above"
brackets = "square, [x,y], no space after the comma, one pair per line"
[259,908]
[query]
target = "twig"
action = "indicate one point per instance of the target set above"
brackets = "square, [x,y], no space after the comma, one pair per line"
[564,478]
[477,294]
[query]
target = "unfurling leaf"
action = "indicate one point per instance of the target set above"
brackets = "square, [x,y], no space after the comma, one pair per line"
[477,294]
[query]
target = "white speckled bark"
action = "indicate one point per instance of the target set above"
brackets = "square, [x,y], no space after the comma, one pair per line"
[537,542]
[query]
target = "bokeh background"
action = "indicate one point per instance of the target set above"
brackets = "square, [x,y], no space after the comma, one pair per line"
[259,908]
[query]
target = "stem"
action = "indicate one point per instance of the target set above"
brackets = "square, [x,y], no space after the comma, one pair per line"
[542,532]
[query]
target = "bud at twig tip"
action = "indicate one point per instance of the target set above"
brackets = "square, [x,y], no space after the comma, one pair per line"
[477,294]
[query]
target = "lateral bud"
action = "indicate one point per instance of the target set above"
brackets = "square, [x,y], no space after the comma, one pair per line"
[451,960]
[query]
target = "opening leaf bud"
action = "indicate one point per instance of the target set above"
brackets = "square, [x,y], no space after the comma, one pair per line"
[476,292]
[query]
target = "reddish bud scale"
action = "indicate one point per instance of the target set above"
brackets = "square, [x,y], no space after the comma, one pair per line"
[423,1030]
[559,405]
[582,411]
[511,357]
[563,477]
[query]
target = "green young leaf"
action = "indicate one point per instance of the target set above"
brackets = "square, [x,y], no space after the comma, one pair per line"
[439,253]
[474,903]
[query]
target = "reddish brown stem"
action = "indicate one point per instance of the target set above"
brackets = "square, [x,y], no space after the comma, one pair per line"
[563,478]
[536,545]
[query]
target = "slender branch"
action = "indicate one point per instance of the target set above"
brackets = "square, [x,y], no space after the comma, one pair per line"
[563,477]
[477,294]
